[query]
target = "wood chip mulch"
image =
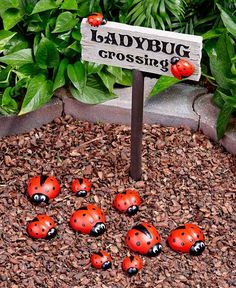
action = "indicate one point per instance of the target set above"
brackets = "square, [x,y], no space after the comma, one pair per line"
[186,178]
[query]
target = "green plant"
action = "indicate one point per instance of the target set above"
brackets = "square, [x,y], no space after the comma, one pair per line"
[40,52]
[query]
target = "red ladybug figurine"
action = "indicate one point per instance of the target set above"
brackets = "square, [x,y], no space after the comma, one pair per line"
[81,187]
[187,239]
[43,188]
[101,260]
[96,19]
[145,239]
[127,202]
[181,68]
[88,220]
[42,227]
[132,265]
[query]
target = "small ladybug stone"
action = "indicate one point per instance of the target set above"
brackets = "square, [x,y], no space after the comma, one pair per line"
[101,260]
[144,239]
[132,265]
[96,19]
[127,202]
[81,187]
[187,239]
[42,227]
[88,220]
[181,68]
[43,188]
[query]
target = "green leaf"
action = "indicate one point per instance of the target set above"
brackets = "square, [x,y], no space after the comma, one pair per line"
[217,99]
[228,98]
[18,58]
[44,5]
[69,5]
[116,71]
[162,84]
[77,76]
[8,103]
[83,9]
[220,61]
[108,79]
[11,17]
[6,4]
[228,19]
[93,68]
[16,43]
[213,33]
[94,92]
[30,70]
[47,54]
[39,92]
[65,22]
[60,76]
[4,76]
[5,36]
[223,120]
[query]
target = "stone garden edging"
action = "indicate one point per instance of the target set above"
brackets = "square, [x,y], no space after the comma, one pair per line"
[180,105]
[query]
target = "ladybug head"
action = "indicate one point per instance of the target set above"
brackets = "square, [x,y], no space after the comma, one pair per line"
[51,233]
[39,198]
[197,248]
[106,265]
[98,229]
[132,210]
[155,250]
[81,193]
[174,60]
[132,271]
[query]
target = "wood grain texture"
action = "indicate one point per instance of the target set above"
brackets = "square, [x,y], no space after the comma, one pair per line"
[154,51]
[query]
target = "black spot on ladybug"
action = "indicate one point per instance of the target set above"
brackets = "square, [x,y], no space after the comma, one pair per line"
[138,243]
[174,240]
[84,215]
[128,238]
[197,236]
[93,208]
[37,233]
[99,217]
[182,244]
[43,230]
[53,188]
[35,224]
[182,233]
[43,179]
[131,258]
[125,203]
[35,188]
[118,205]
[80,181]
[136,233]
[148,243]
[192,227]
[83,225]
[75,220]
[157,238]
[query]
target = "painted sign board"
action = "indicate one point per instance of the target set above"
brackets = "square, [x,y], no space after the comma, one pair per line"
[139,48]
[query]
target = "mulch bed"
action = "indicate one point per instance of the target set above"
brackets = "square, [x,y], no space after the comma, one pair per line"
[186,178]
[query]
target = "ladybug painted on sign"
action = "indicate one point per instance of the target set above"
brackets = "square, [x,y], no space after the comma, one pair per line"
[101,260]
[42,227]
[127,202]
[181,68]
[43,188]
[81,187]
[96,19]
[187,239]
[88,220]
[132,264]
[145,239]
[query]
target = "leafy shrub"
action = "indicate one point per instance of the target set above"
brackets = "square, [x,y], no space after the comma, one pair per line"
[40,48]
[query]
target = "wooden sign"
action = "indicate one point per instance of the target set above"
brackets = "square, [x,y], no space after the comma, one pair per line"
[139,48]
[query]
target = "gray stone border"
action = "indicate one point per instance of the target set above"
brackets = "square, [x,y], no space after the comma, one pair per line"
[180,105]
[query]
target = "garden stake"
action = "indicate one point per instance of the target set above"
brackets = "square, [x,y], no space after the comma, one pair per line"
[137,124]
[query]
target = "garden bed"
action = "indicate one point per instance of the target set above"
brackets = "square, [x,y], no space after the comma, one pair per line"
[186,178]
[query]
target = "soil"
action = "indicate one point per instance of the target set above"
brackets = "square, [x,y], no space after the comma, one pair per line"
[186,178]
